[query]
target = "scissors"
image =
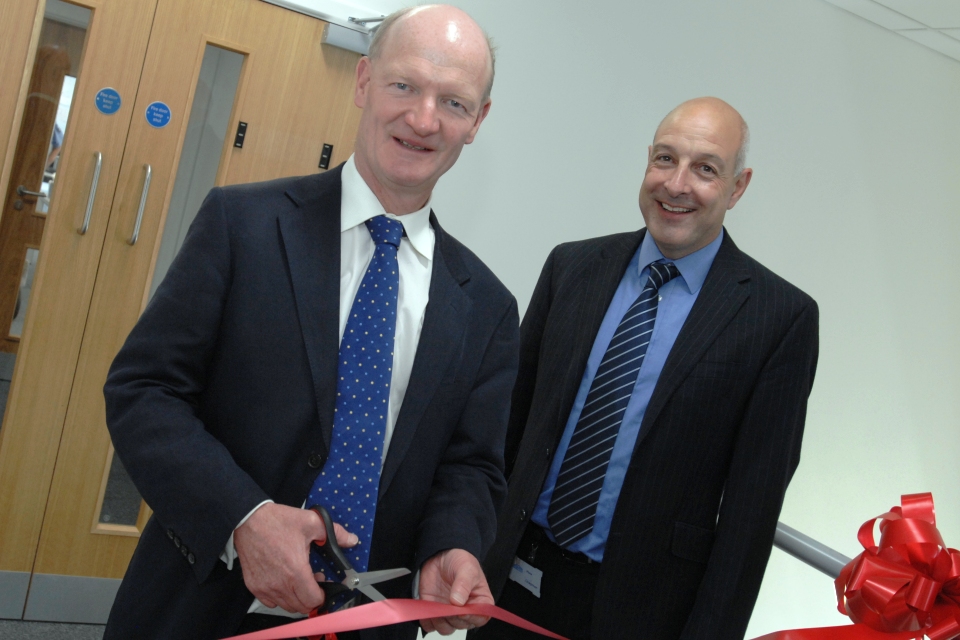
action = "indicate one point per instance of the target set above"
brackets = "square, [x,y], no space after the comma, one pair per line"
[354,581]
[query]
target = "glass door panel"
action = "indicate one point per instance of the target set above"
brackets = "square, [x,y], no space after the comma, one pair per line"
[40,140]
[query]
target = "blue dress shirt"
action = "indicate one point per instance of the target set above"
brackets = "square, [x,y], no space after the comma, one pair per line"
[676,300]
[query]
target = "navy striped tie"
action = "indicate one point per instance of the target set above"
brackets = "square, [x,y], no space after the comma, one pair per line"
[573,506]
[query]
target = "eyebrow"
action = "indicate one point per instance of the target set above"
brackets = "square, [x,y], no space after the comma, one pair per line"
[706,156]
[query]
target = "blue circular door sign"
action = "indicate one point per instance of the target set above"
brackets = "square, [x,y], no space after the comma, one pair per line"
[158,114]
[108,101]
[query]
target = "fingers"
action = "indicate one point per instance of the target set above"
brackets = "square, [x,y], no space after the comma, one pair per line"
[454,576]
[467,577]
[297,592]
[344,537]
[309,595]
[274,550]
[451,624]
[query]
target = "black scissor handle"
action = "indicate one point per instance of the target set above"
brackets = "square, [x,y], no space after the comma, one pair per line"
[330,546]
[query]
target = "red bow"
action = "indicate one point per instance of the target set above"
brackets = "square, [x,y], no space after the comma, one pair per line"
[908,586]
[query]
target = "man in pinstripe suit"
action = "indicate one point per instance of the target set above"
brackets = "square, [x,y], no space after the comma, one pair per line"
[648,455]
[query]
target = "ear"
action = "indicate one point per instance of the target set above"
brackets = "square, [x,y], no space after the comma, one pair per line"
[363,82]
[484,110]
[743,180]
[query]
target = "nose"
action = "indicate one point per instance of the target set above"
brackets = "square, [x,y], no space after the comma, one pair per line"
[423,117]
[677,184]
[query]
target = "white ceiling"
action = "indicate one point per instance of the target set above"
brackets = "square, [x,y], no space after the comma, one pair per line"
[932,23]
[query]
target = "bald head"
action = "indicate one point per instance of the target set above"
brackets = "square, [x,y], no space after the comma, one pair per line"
[437,22]
[723,118]
[424,93]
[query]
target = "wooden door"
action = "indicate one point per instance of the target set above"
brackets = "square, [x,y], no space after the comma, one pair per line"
[43,377]
[295,95]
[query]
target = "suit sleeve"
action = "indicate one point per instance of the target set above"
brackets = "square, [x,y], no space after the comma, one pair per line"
[765,457]
[197,491]
[468,487]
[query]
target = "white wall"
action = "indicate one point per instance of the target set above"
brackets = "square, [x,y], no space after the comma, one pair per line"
[856,151]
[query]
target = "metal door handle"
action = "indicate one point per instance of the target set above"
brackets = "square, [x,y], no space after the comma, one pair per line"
[21,191]
[93,193]
[143,203]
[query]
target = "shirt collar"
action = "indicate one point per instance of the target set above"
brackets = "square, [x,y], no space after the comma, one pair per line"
[693,268]
[358,204]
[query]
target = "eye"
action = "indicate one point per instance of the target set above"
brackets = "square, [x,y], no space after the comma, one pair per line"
[456,104]
[403,86]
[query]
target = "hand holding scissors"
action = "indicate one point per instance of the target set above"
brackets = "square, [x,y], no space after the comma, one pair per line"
[354,581]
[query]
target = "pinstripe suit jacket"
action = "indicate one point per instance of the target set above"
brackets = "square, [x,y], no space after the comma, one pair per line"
[718,445]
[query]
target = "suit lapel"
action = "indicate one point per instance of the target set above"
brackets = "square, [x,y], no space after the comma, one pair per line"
[724,291]
[591,291]
[441,339]
[310,232]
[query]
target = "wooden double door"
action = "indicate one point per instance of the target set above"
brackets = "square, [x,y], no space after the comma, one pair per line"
[159,89]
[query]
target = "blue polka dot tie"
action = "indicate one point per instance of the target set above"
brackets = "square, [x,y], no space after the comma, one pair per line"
[347,486]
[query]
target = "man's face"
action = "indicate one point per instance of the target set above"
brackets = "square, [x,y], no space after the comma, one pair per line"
[422,100]
[690,183]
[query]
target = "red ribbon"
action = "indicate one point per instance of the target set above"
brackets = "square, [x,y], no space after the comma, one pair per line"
[392,611]
[906,587]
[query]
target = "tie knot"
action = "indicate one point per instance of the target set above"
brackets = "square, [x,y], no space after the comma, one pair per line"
[661,273]
[385,230]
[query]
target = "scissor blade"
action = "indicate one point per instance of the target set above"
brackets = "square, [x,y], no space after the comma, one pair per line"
[373,577]
[371,592]
[363,582]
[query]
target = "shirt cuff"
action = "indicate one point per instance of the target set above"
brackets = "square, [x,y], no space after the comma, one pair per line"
[229,553]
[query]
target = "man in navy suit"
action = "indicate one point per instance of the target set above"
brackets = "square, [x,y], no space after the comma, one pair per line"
[658,412]
[222,402]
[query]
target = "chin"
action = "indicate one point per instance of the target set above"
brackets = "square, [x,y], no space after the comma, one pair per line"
[411,179]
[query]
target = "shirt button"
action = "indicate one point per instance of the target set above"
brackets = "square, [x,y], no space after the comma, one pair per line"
[314,460]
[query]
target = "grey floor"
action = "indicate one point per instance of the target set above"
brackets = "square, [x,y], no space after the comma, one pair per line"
[20,630]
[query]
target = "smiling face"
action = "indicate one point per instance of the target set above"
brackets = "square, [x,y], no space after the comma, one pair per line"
[690,183]
[423,98]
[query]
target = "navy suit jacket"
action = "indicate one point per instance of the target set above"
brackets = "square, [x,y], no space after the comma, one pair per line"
[223,396]
[718,443]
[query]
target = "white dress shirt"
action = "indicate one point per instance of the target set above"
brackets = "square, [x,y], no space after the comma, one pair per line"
[415,258]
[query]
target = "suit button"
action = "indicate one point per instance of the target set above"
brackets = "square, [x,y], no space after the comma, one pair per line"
[314,460]
[183,551]
[548,453]
[523,515]
[176,542]
[170,533]
[191,558]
